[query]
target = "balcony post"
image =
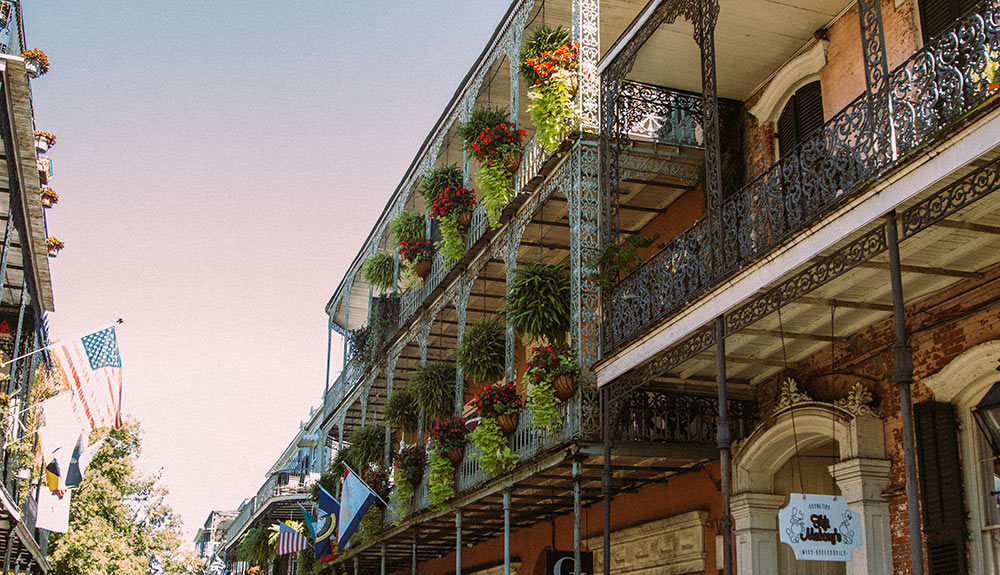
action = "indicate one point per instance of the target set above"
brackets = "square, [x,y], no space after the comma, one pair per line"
[506,532]
[606,477]
[903,369]
[6,245]
[390,372]
[704,33]
[6,557]
[584,206]
[425,334]
[413,554]
[586,31]
[461,306]
[355,565]
[510,261]
[382,558]
[17,335]
[347,325]
[876,79]
[577,513]
[458,542]
[329,346]
[725,445]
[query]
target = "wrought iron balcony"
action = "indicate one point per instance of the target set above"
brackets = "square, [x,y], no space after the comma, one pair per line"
[278,484]
[940,87]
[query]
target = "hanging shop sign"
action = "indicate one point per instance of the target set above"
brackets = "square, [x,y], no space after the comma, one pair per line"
[561,562]
[819,527]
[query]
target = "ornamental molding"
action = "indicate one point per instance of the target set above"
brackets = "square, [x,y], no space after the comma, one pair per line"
[798,72]
[858,401]
[790,395]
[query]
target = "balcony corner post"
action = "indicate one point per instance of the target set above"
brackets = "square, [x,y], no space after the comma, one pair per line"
[876,79]
[903,370]
[506,531]
[586,31]
[725,445]
[704,32]
[577,513]
[413,554]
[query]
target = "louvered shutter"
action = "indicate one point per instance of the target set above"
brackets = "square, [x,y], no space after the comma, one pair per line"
[787,136]
[940,476]
[936,16]
[808,110]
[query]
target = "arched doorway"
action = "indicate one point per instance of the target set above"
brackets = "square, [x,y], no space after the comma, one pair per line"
[810,447]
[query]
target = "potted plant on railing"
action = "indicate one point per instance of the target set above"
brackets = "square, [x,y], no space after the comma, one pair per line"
[415,249]
[54,244]
[550,376]
[495,141]
[49,197]
[44,141]
[36,62]
[448,443]
[482,353]
[498,407]
[453,208]
[437,179]
[550,65]
[538,302]
[378,271]
[406,475]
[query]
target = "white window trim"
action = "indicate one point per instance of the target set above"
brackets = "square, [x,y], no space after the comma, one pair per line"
[799,71]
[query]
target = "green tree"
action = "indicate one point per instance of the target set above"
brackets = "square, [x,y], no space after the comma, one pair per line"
[119,522]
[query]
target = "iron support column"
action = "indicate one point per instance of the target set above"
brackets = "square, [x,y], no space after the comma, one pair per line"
[506,532]
[903,369]
[458,542]
[577,513]
[382,552]
[6,247]
[606,478]
[329,354]
[413,558]
[355,565]
[725,445]
[10,543]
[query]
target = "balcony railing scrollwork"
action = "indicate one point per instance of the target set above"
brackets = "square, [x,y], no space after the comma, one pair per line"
[940,86]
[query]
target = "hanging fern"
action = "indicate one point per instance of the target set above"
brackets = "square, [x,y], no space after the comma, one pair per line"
[402,410]
[367,446]
[434,388]
[407,226]
[378,271]
[538,301]
[494,456]
[494,179]
[482,353]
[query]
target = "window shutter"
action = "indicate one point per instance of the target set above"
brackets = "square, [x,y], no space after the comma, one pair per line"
[809,110]
[937,15]
[940,476]
[787,137]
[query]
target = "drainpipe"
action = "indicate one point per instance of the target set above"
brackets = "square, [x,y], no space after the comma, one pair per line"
[903,368]
[725,445]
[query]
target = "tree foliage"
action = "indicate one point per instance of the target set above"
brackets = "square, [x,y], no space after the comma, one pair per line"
[119,522]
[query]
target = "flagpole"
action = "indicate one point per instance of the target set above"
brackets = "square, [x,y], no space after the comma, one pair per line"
[51,345]
[348,467]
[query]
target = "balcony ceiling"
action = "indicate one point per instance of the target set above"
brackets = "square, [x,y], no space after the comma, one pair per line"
[753,38]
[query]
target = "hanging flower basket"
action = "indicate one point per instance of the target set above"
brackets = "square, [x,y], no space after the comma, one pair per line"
[422,269]
[6,11]
[49,197]
[36,63]
[565,386]
[417,253]
[464,219]
[44,141]
[455,455]
[53,244]
[512,160]
[508,423]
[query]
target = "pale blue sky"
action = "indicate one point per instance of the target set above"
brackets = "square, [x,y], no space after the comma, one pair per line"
[219,165]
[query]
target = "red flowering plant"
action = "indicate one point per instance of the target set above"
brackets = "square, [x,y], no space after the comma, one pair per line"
[548,363]
[376,476]
[496,141]
[453,200]
[448,434]
[416,250]
[548,62]
[498,400]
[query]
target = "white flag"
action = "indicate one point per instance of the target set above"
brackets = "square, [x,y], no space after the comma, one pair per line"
[53,511]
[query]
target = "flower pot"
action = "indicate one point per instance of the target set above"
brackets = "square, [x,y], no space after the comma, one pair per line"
[508,423]
[41,144]
[422,268]
[512,161]
[455,455]
[46,202]
[53,252]
[565,386]
[464,220]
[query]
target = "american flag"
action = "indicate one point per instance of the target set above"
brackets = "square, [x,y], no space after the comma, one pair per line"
[91,368]
[290,540]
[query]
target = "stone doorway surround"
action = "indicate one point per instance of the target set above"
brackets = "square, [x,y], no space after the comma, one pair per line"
[671,546]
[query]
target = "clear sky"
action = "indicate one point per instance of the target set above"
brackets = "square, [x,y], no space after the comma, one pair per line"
[219,165]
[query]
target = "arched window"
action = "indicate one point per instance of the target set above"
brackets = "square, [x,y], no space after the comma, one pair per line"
[803,114]
[936,16]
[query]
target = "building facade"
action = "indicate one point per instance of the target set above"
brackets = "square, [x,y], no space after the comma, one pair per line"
[813,311]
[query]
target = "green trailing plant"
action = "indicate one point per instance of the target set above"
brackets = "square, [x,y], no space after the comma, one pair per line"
[494,456]
[407,473]
[549,63]
[371,525]
[441,482]
[615,261]
[482,353]
[545,366]
[407,226]
[544,405]
[357,348]
[378,271]
[538,301]
[433,386]
[450,203]
[402,410]
[437,179]
[494,181]
[367,343]
[402,494]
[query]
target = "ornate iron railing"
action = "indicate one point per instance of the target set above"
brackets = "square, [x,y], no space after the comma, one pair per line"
[11,38]
[679,418]
[296,484]
[660,115]
[938,87]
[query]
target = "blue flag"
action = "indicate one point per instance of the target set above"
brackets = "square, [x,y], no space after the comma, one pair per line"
[355,499]
[310,520]
[326,526]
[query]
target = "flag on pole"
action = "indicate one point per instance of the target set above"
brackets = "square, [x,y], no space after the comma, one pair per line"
[310,521]
[326,527]
[80,459]
[91,368]
[53,511]
[355,499]
[290,540]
